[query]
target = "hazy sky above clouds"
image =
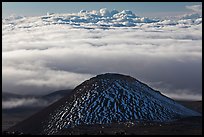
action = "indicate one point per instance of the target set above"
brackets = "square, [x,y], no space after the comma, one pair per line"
[39,59]
[149,9]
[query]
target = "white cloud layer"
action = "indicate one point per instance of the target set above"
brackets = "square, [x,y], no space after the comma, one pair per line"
[23,102]
[39,57]
[195,8]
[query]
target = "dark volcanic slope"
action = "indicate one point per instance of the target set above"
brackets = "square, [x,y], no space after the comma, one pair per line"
[106,98]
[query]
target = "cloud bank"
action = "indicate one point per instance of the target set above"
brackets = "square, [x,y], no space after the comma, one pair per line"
[23,102]
[195,8]
[43,54]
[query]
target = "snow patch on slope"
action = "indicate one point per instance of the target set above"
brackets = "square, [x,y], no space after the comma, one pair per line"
[107,99]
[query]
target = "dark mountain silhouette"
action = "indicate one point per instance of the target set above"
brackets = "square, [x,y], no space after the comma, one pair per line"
[56,95]
[51,97]
[15,114]
[105,99]
[8,95]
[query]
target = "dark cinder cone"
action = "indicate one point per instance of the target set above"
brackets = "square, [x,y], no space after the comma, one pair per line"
[104,99]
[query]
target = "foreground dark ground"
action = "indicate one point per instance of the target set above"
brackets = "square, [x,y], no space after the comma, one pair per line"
[13,116]
[186,126]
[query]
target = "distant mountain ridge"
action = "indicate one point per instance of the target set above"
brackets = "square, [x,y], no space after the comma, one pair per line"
[59,93]
[48,99]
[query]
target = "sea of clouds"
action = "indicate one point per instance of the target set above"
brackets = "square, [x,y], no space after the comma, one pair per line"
[59,51]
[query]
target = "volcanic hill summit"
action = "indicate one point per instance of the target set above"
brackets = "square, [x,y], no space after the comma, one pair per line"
[104,99]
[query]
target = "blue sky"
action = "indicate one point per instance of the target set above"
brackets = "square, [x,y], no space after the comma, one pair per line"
[148,9]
